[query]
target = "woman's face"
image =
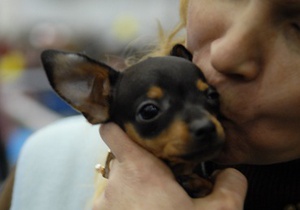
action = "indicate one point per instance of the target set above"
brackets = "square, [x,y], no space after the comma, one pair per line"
[250,51]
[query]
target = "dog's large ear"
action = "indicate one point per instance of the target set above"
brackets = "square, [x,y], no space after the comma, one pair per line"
[180,51]
[82,82]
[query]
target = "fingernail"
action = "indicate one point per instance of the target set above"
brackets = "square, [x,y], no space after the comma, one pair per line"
[215,174]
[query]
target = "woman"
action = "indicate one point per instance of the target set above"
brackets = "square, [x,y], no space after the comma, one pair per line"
[249,50]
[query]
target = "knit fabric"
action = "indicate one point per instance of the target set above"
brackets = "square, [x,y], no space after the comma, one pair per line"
[272,187]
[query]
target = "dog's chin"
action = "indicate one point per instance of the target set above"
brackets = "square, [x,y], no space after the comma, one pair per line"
[203,154]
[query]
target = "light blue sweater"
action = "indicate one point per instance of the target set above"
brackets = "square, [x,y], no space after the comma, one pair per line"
[55,170]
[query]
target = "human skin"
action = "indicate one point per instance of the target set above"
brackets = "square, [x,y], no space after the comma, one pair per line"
[138,180]
[250,51]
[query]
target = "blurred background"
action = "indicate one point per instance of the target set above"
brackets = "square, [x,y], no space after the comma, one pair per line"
[107,30]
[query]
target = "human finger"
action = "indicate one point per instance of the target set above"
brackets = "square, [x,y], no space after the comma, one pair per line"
[229,191]
[119,143]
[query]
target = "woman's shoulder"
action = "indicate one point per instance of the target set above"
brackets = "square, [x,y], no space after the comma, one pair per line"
[66,134]
[56,163]
[69,126]
[72,138]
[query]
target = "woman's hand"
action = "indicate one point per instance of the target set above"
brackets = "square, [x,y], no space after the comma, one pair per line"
[139,180]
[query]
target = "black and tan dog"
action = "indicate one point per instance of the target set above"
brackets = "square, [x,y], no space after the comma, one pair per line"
[162,103]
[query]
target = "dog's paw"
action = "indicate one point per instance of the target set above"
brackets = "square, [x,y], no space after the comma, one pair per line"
[195,185]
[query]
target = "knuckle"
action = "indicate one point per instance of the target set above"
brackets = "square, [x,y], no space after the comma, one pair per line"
[230,202]
[227,201]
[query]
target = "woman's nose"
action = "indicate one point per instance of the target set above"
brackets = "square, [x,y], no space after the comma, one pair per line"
[238,53]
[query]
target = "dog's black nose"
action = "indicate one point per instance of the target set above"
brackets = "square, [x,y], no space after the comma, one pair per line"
[202,129]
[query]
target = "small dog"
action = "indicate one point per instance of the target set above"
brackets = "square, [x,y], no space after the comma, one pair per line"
[163,103]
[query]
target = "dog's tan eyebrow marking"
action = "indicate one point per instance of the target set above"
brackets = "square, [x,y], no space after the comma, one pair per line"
[202,86]
[155,92]
[219,128]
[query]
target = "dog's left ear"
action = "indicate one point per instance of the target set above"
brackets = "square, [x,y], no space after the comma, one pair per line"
[180,51]
[82,82]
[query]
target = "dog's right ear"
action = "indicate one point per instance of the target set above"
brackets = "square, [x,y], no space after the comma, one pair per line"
[180,51]
[82,82]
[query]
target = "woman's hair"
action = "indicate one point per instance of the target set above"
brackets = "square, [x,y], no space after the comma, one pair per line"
[166,40]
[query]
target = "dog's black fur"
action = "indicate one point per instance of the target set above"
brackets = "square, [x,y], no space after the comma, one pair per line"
[163,103]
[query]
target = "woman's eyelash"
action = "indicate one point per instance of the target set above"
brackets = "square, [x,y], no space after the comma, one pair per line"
[296,26]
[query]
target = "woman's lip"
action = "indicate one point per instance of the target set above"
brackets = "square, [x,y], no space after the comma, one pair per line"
[222,117]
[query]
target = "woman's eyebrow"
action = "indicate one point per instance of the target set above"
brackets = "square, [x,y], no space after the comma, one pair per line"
[287,3]
[287,7]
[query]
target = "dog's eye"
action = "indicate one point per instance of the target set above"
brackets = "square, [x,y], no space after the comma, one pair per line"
[212,96]
[148,112]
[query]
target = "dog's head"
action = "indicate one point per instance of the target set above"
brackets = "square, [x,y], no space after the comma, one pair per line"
[163,103]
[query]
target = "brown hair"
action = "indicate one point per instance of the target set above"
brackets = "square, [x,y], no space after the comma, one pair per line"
[166,39]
